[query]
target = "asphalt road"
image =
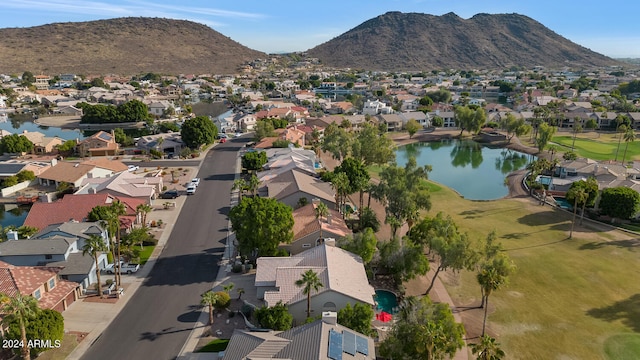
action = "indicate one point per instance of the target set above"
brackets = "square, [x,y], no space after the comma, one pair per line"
[157,321]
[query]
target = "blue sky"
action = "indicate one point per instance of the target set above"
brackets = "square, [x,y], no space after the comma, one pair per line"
[608,27]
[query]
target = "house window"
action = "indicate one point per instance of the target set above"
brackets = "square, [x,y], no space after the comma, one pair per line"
[52,284]
[48,257]
[37,294]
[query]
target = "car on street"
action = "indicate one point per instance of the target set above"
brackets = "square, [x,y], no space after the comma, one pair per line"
[223,140]
[191,189]
[134,168]
[195,181]
[125,268]
[239,134]
[170,194]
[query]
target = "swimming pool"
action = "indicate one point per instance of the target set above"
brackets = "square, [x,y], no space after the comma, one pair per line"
[563,203]
[386,301]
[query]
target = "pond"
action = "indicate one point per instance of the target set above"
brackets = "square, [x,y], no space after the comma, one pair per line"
[11,214]
[475,171]
[18,126]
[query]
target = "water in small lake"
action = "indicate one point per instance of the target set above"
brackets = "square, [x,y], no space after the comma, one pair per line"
[11,214]
[17,127]
[475,171]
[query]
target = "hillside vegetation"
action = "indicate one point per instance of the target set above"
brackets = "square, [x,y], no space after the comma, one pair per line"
[413,41]
[121,46]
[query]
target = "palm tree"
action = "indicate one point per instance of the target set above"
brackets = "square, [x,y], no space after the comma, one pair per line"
[340,183]
[492,276]
[240,291]
[241,186]
[321,211]
[622,128]
[21,308]
[487,349]
[309,281]
[629,136]
[143,210]
[93,246]
[253,184]
[577,128]
[116,209]
[580,196]
[210,299]
[227,288]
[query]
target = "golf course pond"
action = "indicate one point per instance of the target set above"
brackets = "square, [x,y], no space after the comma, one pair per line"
[475,171]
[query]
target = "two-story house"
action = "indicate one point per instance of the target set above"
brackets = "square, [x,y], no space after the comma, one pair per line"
[43,283]
[99,144]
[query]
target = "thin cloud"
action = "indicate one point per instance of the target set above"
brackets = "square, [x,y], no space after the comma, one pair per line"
[133,8]
[201,10]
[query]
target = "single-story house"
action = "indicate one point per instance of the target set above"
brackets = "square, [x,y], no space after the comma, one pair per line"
[309,231]
[344,280]
[316,340]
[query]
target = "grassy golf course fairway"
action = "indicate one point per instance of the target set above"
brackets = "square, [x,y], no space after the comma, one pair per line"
[598,146]
[573,298]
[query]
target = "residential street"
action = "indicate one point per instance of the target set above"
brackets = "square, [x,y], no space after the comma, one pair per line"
[157,321]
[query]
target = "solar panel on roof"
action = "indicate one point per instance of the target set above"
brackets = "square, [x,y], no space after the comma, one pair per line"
[335,345]
[362,345]
[105,136]
[349,342]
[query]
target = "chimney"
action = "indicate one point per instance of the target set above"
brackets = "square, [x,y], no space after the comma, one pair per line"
[54,162]
[330,317]
[315,202]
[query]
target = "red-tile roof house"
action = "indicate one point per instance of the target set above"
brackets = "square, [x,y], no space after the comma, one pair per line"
[306,228]
[100,144]
[77,207]
[41,282]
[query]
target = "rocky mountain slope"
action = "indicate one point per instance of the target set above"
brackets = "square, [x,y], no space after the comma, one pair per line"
[121,46]
[413,41]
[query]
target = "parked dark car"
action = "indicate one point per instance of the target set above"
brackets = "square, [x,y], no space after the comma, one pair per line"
[170,194]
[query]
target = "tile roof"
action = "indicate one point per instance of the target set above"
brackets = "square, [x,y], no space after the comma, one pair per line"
[306,342]
[105,163]
[305,223]
[74,207]
[125,183]
[27,279]
[66,171]
[338,270]
[292,181]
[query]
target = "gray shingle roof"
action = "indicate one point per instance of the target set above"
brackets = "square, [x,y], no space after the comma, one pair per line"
[76,264]
[54,245]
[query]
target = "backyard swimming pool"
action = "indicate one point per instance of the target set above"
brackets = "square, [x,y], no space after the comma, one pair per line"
[386,301]
[563,203]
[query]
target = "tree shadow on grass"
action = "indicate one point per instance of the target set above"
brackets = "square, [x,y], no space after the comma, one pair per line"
[627,311]
[538,219]
[623,244]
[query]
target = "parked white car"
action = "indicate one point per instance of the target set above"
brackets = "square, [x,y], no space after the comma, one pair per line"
[191,189]
[195,181]
[133,168]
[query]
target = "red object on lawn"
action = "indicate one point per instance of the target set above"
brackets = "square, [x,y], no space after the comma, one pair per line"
[384,316]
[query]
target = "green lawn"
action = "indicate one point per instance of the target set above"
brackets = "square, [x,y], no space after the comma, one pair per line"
[569,299]
[599,148]
[216,345]
[145,254]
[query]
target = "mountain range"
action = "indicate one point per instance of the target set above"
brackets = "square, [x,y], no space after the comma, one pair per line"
[413,41]
[390,42]
[121,46]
